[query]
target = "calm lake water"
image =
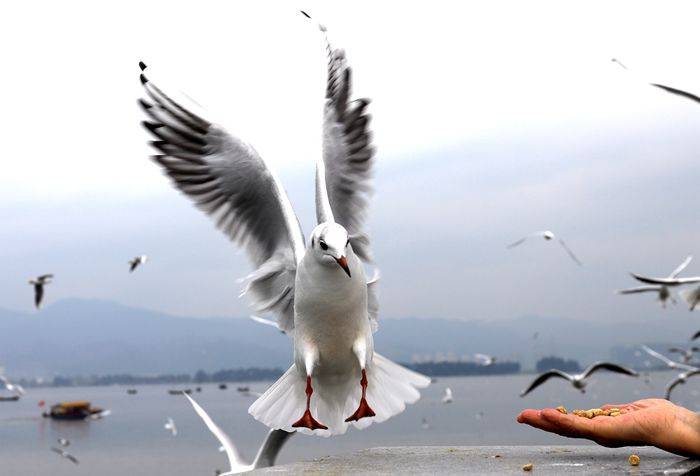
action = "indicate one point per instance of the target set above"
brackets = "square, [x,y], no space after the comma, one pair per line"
[132,439]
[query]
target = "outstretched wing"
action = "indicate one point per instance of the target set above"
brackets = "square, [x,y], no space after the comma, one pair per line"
[234,457]
[38,294]
[695,336]
[639,289]
[570,253]
[542,378]
[681,267]
[678,92]
[666,281]
[516,243]
[227,179]
[344,173]
[609,366]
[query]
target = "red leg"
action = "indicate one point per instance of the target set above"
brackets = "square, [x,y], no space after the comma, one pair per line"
[363,410]
[306,420]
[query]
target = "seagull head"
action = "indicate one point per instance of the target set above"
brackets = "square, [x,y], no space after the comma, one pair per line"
[330,244]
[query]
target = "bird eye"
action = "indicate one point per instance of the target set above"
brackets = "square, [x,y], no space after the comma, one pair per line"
[323,244]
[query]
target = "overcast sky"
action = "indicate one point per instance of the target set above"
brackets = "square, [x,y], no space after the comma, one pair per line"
[491,120]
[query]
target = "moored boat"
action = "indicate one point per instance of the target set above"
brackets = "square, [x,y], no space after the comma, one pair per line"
[79,410]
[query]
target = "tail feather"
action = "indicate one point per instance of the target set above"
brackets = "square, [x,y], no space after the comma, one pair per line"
[390,387]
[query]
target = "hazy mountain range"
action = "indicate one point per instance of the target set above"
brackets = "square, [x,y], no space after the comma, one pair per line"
[82,337]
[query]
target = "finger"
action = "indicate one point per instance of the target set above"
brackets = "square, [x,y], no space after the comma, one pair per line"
[528,415]
[569,425]
[534,419]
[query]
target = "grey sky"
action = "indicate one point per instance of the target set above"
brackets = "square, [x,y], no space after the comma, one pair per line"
[491,121]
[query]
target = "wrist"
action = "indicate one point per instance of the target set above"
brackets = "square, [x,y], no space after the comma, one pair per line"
[684,439]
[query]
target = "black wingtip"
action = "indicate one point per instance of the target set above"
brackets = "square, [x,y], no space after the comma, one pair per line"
[305,14]
[142,65]
[143,79]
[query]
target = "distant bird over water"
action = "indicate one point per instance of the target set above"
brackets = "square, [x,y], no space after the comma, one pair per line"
[65,442]
[687,355]
[578,380]
[317,290]
[664,294]
[64,454]
[548,236]
[39,284]
[12,387]
[680,379]
[170,425]
[485,360]
[671,364]
[447,397]
[136,262]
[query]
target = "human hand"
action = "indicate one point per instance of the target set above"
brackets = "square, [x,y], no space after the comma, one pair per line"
[645,422]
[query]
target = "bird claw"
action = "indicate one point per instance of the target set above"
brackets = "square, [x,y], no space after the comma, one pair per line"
[363,410]
[308,421]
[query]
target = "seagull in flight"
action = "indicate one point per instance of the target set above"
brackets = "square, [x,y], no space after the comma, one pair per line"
[64,454]
[170,425]
[447,397]
[548,236]
[672,364]
[136,262]
[686,354]
[664,294]
[65,442]
[39,283]
[680,379]
[317,290]
[484,360]
[578,380]
[12,387]
[267,454]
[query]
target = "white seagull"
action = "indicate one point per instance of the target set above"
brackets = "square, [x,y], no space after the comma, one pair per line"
[672,364]
[65,454]
[318,292]
[267,454]
[578,380]
[661,289]
[548,236]
[485,360]
[63,442]
[39,283]
[12,387]
[136,262]
[170,425]
[447,397]
[687,355]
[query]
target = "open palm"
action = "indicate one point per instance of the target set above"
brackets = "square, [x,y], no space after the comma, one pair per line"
[645,422]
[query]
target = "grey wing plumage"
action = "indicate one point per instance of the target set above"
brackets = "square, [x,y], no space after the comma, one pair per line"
[681,267]
[639,289]
[543,378]
[267,455]
[569,252]
[676,349]
[609,366]
[678,92]
[343,175]
[666,281]
[227,179]
[695,336]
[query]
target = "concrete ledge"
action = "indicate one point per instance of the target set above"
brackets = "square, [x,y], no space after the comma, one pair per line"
[552,460]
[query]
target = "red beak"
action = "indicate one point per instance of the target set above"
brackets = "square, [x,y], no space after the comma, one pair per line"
[343,263]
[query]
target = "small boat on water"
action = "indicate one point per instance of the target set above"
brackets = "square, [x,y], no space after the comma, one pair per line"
[243,389]
[79,410]
[180,392]
[9,398]
[132,391]
[223,386]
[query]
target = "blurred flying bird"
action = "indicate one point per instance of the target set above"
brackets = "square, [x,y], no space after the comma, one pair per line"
[686,354]
[668,89]
[578,380]
[65,454]
[12,387]
[319,291]
[548,236]
[63,442]
[39,284]
[680,379]
[447,397]
[484,360]
[424,424]
[267,454]
[170,425]
[136,262]
[695,336]
[664,294]
[672,364]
